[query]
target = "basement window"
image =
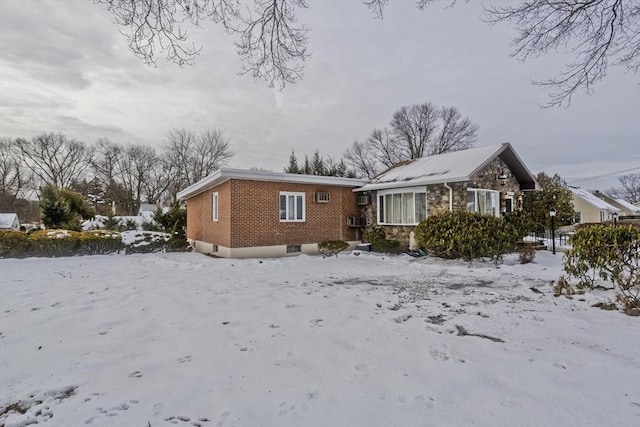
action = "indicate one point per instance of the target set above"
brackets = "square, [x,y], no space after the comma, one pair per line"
[293,248]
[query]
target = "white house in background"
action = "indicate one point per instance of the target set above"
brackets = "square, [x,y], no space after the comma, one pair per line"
[627,208]
[591,209]
[9,221]
[149,208]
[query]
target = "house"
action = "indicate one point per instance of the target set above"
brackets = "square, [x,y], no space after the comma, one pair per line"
[9,221]
[626,208]
[147,209]
[244,213]
[488,180]
[591,209]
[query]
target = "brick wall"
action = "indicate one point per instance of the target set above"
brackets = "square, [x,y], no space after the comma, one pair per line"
[256,214]
[249,215]
[200,225]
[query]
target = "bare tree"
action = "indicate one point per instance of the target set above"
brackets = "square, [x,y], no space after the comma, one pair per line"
[415,131]
[599,32]
[361,159]
[12,174]
[273,45]
[136,167]
[413,128]
[56,159]
[456,133]
[269,40]
[629,189]
[193,157]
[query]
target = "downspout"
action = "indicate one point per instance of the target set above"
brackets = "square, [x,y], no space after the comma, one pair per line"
[450,196]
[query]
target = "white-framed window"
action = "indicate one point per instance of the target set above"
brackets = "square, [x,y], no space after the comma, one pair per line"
[402,206]
[214,206]
[484,202]
[292,207]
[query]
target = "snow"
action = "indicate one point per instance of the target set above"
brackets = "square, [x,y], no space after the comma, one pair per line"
[7,220]
[98,221]
[592,199]
[449,167]
[369,340]
[626,205]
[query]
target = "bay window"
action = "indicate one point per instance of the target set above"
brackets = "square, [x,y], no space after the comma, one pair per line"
[484,202]
[403,207]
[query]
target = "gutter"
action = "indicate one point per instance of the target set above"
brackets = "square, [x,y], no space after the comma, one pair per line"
[450,196]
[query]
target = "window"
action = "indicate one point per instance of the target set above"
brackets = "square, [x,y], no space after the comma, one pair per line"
[577,218]
[293,248]
[403,208]
[291,207]
[484,202]
[214,207]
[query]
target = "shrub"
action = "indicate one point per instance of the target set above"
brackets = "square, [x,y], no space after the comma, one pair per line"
[468,235]
[378,239]
[13,244]
[526,253]
[111,223]
[332,247]
[147,242]
[150,226]
[54,243]
[610,253]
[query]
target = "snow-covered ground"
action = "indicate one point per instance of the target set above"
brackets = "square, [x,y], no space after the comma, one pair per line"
[368,340]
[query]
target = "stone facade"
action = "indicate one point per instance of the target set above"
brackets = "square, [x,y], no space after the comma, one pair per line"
[440,199]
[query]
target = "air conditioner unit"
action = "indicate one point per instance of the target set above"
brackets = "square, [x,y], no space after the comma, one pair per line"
[323,197]
[362,199]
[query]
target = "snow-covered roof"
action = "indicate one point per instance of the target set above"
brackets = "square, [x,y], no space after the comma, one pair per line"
[147,207]
[456,166]
[8,219]
[225,174]
[628,206]
[592,199]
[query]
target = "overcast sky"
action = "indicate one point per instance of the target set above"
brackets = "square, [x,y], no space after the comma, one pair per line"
[64,67]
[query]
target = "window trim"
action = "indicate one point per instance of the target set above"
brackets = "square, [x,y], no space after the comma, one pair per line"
[296,194]
[403,190]
[215,206]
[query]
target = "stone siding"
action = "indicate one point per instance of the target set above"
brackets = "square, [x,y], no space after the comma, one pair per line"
[438,198]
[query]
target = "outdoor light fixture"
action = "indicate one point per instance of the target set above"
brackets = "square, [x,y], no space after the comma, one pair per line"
[502,177]
[552,214]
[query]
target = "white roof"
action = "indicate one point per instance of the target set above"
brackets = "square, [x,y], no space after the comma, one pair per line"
[456,166]
[225,174]
[592,199]
[628,206]
[7,219]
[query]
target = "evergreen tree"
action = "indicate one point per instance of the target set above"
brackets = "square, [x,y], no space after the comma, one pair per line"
[293,164]
[61,208]
[317,164]
[554,194]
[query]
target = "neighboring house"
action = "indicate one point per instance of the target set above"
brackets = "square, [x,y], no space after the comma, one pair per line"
[9,221]
[241,213]
[589,208]
[147,209]
[488,180]
[626,208]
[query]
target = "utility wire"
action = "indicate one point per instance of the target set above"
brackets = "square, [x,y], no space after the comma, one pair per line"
[590,178]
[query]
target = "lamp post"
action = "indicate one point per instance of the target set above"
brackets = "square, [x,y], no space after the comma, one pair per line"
[615,218]
[552,214]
